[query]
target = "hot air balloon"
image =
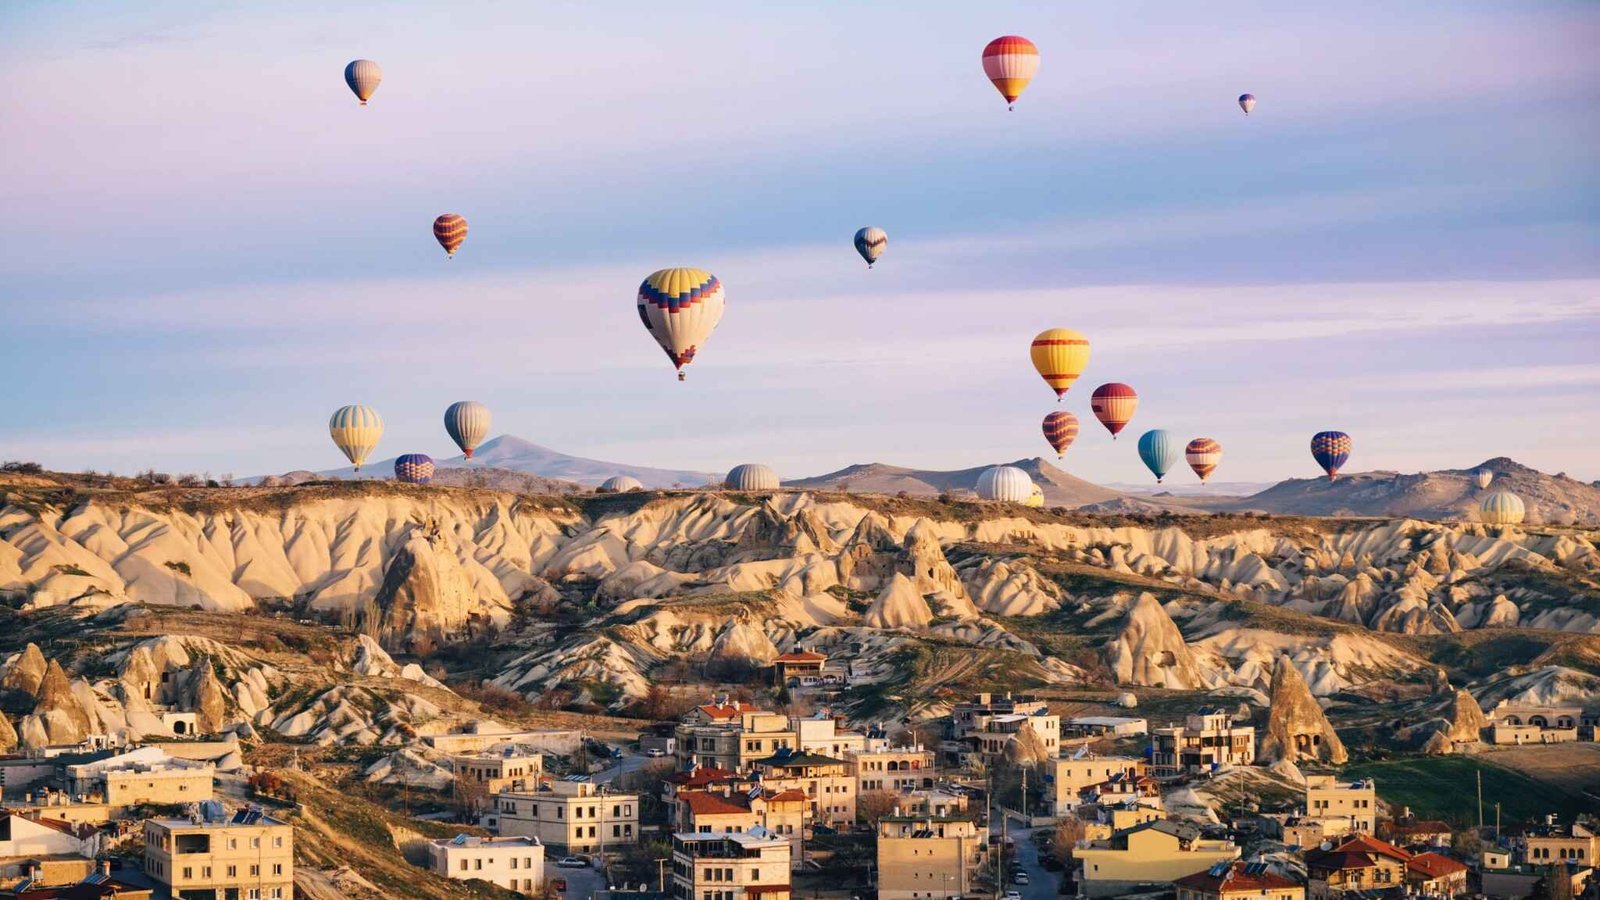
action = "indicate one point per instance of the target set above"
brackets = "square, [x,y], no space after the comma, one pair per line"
[870,242]
[680,308]
[1160,451]
[413,468]
[620,484]
[1007,484]
[1330,449]
[1247,102]
[363,76]
[1113,404]
[1060,427]
[355,431]
[751,477]
[1035,498]
[1060,355]
[450,230]
[1203,454]
[467,423]
[1485,477]
[1502,508]
[1011,62]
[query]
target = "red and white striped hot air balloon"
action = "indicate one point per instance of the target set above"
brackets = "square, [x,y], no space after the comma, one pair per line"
[450,230]
[1203,455]
[1113,404]
[1011,62]
[1060,428]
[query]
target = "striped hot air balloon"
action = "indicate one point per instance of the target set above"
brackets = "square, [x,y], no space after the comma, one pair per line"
[1060,355]
[413,468]
[355,431]
[1502,508]
[1484,477]
[1006,484]
[450,230]
[1114,404]
[1060,428]
[1160,452]
[620,484]
[751,477]
[870,242]
[1011,62]
[680,308]
[1331,450]
[467,423]
[1247,102]
[1203,454]
[363,76]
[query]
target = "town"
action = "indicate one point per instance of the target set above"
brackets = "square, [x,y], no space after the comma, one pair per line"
[762,793]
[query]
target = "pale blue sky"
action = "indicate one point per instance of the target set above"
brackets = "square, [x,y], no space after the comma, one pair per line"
[209,246]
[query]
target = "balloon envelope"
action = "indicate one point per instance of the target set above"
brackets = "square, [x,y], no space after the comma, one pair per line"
[1160,451]
[467,423]
[450,230]
[680,308]
[1060,428]
[870,242]
[751,477]
[1010,62]
[1035,497]
[620,484]
[1331,450]
[1060,356]
[355,431]
[1114,404]
[1007,484]
[413,468]
[1247,102]
[1502,508]
[363,76]
[1203,455]
[1484,477]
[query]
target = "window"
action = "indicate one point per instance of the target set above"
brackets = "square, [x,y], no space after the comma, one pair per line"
[514,862]
[477,865]
[463,865]
[255,871]
[277,841]
[188,872]
[233,871]
[277,868]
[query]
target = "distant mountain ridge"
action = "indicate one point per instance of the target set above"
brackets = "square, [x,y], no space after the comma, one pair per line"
[1060,488]
[509,454]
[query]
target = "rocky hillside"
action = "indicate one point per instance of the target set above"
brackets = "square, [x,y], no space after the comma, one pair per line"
[1445,495]
[1060,489]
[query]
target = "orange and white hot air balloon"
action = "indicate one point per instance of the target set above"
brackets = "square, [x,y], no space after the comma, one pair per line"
[1060,355]
[1203,454]
[1113,403]
[1011,62]
[1060,429]
[450,230]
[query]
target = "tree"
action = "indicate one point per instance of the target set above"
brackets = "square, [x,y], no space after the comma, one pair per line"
[1065,838]
[874,805]
[470,795]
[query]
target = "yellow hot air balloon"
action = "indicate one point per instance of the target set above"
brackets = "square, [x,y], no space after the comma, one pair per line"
[1060,355]
[355,431]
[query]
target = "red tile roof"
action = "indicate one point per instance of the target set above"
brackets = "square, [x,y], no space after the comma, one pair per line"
[802,656]
[710,803]
[1235,879]
[790,794]
[725,711]
[1364,843]
[1434,865]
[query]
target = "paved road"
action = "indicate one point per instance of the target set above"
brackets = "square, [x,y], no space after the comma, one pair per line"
[1042,884]
[630,763]
[581,883]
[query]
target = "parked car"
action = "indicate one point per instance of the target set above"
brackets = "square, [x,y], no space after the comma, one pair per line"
[1013,895]
[559,884]
[572,862]
[655,753]
[1019,878]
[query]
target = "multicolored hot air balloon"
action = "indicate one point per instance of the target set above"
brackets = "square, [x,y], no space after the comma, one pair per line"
[1247,102]
[1113,404]
[1035,498]
[363,76]
[1007,484]
[1331,449]
[1502,508]
[467,423]
[1160,451]
[751,477]
[413,468]
[680,308]
[870,242]
[1060,355]
[1203,454]
[1484,477]
[450,230]
[355,431]
[1060,427]
[1011,62]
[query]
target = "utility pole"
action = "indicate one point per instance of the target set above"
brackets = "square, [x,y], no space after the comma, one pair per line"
[1480,805]
[1497,823]
[661,874]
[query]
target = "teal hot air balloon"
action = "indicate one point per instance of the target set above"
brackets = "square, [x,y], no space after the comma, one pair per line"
[467,422]
[1160,451]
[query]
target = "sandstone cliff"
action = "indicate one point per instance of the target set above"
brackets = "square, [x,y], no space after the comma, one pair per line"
[1297,729]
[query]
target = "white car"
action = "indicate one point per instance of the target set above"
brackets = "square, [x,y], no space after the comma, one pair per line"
[1013,895]
[655,753]
[573,862]
[1019,878]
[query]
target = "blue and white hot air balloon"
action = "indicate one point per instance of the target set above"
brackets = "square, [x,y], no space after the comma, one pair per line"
[1160,451]
[355,431]
[413,468]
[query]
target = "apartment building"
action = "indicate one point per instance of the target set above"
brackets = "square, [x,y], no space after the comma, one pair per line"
[145,775]
[785,814]
[821,734]
[749,865]
[1207,741]
[1153,852]
[1239,881]
[250,856]
[1522,723]
[989,723]
[1552,843]
[1070,775]
[894,769]
[829,787]
[514,863]
[1353,865]
[730,735]
[1342,806]
[570,816]
[487,774]
[927,857]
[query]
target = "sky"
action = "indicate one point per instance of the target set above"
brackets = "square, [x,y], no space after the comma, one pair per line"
[209,246]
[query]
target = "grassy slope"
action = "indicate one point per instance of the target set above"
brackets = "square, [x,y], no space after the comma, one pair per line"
[1445,787]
